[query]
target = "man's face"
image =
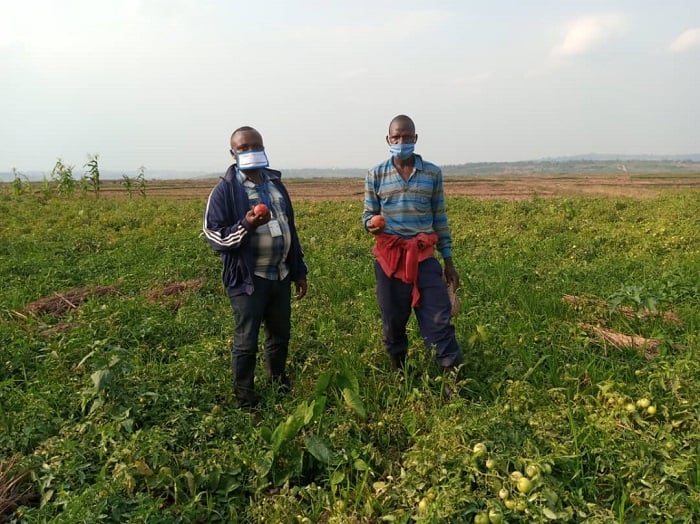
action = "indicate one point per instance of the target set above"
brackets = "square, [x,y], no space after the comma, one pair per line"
[246,141]
[401,132]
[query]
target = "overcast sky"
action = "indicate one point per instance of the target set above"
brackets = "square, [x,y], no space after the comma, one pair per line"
[162,83]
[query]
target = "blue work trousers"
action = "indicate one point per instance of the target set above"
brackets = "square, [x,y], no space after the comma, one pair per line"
[432,312]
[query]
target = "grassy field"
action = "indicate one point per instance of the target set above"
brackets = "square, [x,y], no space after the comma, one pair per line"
[578,399]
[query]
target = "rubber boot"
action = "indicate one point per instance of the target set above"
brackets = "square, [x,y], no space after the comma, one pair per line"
[276,363]
[244,379]
[398,361]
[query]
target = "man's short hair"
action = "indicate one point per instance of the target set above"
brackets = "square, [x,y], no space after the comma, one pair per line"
[402,118]
[243,128]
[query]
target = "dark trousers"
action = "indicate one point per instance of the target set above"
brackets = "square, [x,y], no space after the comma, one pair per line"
[432,312]
[270,304]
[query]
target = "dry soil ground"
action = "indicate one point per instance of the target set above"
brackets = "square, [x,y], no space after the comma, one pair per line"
[506,187]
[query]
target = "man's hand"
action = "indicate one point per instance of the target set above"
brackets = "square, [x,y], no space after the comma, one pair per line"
[301,287]
[375,230]
[257,220]
[451,276]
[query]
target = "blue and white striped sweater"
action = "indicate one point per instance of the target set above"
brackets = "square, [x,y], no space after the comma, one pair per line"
[409,207]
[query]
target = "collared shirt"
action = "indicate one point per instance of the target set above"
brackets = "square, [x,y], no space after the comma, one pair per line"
[270,251]
[412,206]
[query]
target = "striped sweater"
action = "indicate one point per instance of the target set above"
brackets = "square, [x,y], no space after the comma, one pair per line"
[409,207]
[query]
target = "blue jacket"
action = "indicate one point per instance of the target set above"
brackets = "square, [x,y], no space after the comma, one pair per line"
[228,232]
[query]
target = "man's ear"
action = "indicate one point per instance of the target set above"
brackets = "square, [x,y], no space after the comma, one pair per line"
[387,140]
[416,139]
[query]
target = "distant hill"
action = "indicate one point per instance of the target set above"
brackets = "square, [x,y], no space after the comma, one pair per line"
[579,166]
[600,157]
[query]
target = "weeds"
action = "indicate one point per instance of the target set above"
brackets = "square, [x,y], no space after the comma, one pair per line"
[121,408]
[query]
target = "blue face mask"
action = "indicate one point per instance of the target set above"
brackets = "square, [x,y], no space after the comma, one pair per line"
[401,151]
[249,160]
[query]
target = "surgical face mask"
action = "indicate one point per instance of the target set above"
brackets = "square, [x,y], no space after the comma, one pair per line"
[401,151]
[249,160]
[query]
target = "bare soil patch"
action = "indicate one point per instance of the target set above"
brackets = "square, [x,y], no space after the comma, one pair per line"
[170,295]
[60,303]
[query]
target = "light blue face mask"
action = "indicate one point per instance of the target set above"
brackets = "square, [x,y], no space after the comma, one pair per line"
[249,160]
[401,151]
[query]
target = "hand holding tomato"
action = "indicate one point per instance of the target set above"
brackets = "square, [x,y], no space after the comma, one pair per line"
[376,224]
[258,216]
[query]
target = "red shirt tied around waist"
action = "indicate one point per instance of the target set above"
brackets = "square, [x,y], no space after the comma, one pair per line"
[399,257]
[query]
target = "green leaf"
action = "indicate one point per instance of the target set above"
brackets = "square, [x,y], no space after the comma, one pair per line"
[337,477]
[263,464]
[319,406]
[551,515]
[346,380]
[361,465]
[266,434]
[353,401]
[310,412]
[323,380]
[318,449]
[100,379]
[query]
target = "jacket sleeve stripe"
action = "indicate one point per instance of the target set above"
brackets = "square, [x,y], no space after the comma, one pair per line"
[215,236]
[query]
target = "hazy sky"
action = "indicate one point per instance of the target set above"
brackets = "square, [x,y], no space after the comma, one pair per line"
[162,83]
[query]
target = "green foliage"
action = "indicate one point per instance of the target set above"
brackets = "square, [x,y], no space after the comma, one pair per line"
[20,183]
[122,408]
[62,175]
[137,183]
[92,175]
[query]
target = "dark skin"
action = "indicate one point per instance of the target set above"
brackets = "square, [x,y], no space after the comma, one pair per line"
[403,131]
[252,141]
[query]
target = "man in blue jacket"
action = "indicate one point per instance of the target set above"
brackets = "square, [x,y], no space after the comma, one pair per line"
[249,220]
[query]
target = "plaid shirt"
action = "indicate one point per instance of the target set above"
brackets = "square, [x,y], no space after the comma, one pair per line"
[270,252]
[409,207]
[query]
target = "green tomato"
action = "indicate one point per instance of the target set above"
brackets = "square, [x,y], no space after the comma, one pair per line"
[495,516]
[532,470]
[490,463]
[515,476]
[481,518]
[643,403]
[524,485]
[480,449]
[651,410]
[503,493]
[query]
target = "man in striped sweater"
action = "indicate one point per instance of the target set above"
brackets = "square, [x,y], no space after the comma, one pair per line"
[406,191]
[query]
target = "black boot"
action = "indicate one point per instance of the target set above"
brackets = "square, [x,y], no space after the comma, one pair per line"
[276,363]
[244,377]
[398,360]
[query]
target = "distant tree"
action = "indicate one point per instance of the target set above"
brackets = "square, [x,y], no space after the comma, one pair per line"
[92,175]
[62,174]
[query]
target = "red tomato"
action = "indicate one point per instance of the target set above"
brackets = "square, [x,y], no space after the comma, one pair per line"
[260,209]
[377,221]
